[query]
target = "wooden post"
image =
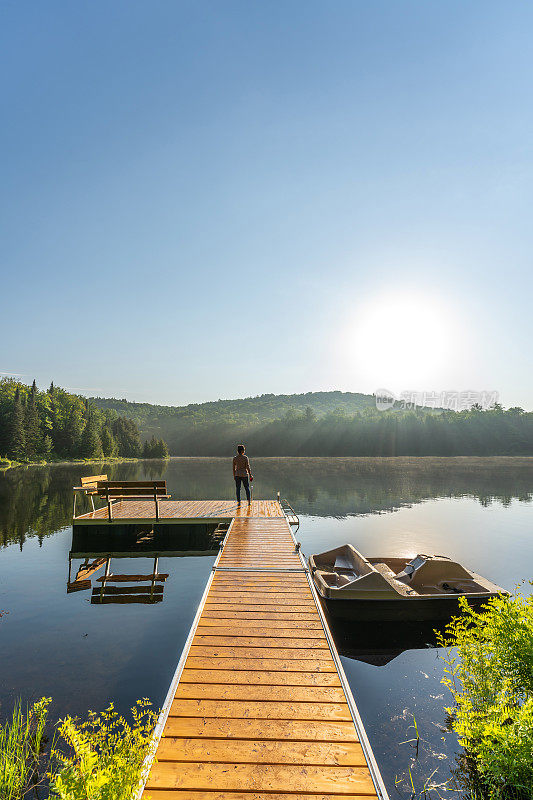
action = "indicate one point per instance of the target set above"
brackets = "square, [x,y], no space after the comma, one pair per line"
[109,510]
[156,563]
[156,503]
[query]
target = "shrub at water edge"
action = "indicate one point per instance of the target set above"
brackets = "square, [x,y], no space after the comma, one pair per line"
[490,674]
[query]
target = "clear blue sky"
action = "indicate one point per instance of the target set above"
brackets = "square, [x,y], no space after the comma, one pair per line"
[220,199]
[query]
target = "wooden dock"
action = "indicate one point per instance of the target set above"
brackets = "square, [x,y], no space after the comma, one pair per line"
[133,512]
[259,707]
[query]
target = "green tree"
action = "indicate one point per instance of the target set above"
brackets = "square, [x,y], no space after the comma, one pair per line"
[17,444]
[90,444]
[109,445]
[34,439]
[161,449]
[127,437]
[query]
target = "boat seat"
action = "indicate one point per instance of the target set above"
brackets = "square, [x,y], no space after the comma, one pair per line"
[342,563]
[384,569]
[334,579]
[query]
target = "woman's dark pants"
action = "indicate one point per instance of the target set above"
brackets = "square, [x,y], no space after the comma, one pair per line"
[246,484]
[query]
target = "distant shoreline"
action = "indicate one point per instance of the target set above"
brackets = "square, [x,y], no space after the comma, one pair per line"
[6,464]
[501,460]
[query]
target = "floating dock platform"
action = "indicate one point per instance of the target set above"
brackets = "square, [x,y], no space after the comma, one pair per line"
[140,512]
[259,707]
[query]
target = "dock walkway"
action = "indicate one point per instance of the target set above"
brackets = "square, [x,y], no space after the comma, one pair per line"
[142,511]
[259,708]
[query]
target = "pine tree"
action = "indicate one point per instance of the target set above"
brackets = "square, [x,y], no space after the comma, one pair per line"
[32,426]
[51,389]
[90,444]
[127,436]
[47,447]
[161,449]
[109,445]
[17,445]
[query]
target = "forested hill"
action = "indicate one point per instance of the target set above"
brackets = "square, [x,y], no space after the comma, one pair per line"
[327,423]
[208,428]
[248,411]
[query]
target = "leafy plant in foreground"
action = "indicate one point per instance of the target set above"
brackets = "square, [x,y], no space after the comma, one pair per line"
[489,671]
[105,755]
[21,743]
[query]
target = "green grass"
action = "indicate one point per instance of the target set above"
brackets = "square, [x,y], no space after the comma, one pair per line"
[21,743]
[101,758]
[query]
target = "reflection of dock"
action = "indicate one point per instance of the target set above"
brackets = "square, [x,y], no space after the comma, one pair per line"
[259,706]
[97,548]
[109,593]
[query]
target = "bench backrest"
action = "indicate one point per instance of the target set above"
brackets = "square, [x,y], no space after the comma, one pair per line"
[131,488]
[91,481]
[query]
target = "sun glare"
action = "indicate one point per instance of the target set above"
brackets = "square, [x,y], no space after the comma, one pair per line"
[402,341]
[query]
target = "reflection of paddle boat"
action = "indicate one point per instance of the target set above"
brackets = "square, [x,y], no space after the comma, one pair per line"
[423,588]
[380,644]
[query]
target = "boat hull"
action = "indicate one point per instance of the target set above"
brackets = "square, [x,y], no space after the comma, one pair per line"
[402,610]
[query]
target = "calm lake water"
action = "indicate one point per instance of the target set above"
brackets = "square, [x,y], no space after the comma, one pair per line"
[85,654]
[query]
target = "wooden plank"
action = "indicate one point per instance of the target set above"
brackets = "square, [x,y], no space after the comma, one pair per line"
[255,607]
[126,599]
[109,590]
[258,677]
[78,586]
[92,479]
[274,663]
[132,484]
[289,694]
[287,729]
[235,598]
[260,614]
[292,581]
[260,641]
[261,777]
[85,572]
[299,654]
[190,794]
[161,577]
[260,630]
[306,626]
[259,710]
[261,752]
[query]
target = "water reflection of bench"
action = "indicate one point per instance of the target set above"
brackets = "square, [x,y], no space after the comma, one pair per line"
[84,572]
[96,548]
[107,593]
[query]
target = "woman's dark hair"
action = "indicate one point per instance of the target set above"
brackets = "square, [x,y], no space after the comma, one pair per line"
[240,448]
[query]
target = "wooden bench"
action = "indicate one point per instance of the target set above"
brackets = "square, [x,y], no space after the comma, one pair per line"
[88,486]
[99,486]
[132,490]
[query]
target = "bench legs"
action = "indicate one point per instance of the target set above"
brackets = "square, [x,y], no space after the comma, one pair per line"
[156,501]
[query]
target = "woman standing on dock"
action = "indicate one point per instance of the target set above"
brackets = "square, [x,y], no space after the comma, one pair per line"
[241,471]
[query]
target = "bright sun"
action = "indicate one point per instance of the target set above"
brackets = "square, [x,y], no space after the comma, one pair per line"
[402,341]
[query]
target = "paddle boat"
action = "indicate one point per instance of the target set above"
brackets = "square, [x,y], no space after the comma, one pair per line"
[427,587]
